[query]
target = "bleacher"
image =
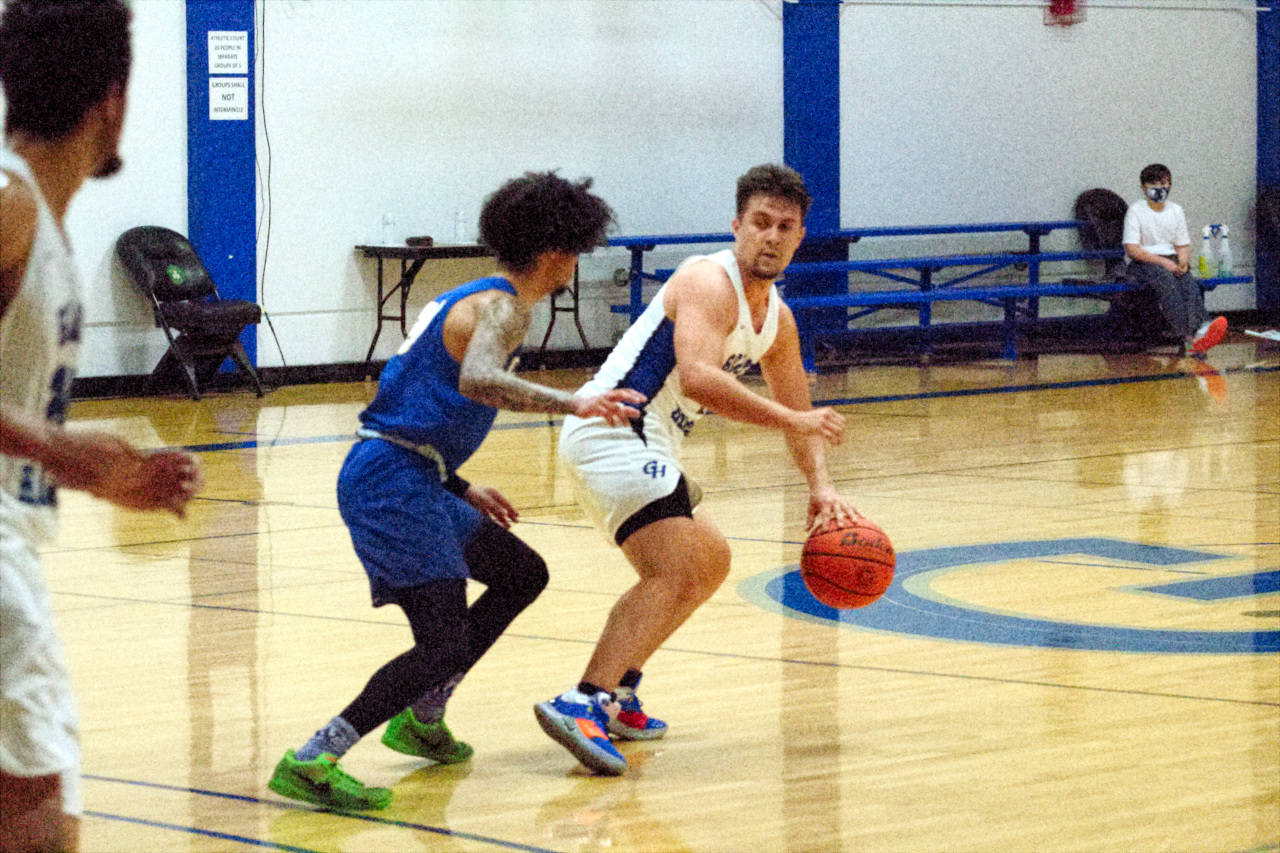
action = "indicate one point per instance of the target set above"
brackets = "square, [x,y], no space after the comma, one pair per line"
[1012,281]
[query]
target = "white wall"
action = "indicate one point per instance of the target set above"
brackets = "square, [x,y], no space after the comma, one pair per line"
[963,114]
[421,108]
[120,336]
[956,114]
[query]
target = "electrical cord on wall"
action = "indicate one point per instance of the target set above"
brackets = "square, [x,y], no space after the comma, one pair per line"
[264,186]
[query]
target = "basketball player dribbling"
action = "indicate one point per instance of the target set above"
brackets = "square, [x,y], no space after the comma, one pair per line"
[718,316]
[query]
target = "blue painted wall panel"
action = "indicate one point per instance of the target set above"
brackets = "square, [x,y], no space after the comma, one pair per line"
[811,146]
[221,190]
[1267,274]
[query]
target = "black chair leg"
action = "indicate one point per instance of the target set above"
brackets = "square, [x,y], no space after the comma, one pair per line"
[241,358]
[190,373]
[175,366]
[188,370]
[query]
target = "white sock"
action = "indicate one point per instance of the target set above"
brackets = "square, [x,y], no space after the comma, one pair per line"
[429,707]
[335,738]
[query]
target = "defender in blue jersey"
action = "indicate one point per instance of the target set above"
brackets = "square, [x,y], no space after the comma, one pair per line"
[418,528]
[717,317]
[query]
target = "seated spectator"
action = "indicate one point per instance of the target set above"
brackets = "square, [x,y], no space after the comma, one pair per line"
[1159,251]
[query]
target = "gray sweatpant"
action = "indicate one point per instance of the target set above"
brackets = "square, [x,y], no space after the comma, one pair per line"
[1181,300]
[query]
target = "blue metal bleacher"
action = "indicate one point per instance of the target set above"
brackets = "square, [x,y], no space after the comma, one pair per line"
[919,287]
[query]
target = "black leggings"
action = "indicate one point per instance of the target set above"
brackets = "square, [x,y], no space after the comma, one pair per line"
[448,636]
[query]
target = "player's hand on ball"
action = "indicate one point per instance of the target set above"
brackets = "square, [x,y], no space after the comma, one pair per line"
[828,509]
[616,407]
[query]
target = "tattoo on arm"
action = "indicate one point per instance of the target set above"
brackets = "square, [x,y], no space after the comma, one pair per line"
[500,327]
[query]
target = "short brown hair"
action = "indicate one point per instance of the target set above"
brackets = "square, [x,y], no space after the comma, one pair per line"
[775,181]
[1155,172]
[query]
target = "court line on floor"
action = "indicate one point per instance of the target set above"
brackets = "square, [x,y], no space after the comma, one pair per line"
[1032,386]
[714,654]
[836,401]
[1157,694]
[195,830]
[403,824]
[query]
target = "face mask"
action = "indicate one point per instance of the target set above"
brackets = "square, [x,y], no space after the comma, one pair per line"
[1157,194]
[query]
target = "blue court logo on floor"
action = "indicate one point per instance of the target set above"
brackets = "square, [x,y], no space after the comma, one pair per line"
[914,604]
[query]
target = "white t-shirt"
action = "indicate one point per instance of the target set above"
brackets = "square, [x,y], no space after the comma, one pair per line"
[1157,232]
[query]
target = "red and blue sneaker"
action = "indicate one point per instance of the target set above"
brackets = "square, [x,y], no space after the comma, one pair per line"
[579,723]
[633,723]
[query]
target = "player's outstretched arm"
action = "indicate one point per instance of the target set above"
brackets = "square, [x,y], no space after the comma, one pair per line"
[500,326]
[104,465]
[783,371]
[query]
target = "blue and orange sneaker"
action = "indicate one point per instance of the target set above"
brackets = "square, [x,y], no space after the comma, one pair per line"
[579,723]
[633,723]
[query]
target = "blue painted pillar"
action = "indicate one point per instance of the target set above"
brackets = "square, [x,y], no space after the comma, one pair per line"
[221,189]
[811,146]
[1267,272]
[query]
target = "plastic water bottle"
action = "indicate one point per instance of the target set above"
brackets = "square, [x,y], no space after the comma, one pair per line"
[459,227]
[1225,262]
[1207,267]
[389,229]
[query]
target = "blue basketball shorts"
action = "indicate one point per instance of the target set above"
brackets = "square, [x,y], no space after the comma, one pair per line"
[406,528]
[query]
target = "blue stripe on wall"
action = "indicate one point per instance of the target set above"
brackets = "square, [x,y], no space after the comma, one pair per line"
[811,146]
[1267,273]
[221,189]
[811,104]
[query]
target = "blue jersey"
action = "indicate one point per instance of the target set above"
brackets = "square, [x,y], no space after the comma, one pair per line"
[418,398]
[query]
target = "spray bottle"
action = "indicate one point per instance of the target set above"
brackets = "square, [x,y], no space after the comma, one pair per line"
[1207,268]
[1226,264]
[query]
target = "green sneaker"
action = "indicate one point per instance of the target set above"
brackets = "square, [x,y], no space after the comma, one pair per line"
[323,782]
[426,740]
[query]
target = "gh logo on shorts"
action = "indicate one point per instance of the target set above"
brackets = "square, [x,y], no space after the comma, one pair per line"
[655,469]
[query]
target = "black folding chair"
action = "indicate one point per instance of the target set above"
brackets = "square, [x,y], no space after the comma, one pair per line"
[1101,214]
[1134,314]
[203,329]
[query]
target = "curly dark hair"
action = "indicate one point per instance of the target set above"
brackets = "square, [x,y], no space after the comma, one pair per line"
[775,181]
[60,58]
[542,212]
[1155,172]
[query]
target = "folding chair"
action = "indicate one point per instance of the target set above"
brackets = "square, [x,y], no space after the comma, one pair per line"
[1134,314]
[203,329]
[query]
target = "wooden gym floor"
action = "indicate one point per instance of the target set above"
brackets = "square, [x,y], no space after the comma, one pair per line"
[1079,652]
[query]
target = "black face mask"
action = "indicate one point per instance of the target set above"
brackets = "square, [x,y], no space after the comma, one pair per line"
[1157,194]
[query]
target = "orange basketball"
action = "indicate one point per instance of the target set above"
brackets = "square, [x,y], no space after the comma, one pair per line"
[847,566]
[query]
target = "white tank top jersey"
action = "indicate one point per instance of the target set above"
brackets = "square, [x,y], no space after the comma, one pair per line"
[39,342]
[645,359]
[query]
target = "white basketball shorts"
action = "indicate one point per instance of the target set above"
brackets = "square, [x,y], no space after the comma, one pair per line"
[39,729]
[614,473]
